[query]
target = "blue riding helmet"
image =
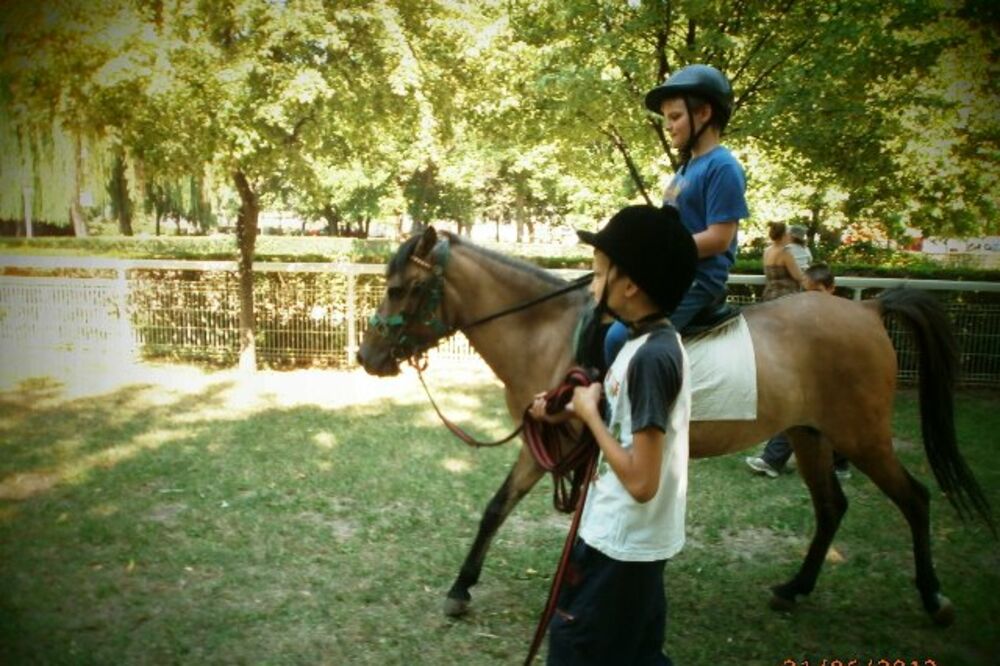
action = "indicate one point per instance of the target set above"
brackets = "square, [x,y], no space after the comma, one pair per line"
[699,80]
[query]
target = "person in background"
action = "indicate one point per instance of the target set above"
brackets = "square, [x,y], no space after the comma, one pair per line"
[709,189]
[798,246]
[782,273]
[777,452]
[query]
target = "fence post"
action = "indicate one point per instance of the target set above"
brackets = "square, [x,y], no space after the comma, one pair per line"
[352,316]
[126,344]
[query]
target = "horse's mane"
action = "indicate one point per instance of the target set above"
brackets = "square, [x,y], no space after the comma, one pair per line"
[403,254]
[517,264]
[405,251]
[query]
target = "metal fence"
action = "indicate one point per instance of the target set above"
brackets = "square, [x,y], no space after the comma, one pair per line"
[315,314]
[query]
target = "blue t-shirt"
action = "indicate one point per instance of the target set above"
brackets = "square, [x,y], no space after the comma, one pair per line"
[709,190]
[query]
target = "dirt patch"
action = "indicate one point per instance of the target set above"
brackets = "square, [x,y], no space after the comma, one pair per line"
[747,543]
[23,486]
[166,513]
[340,528]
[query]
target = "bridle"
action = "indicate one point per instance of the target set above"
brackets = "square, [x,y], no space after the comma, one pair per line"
[428,315]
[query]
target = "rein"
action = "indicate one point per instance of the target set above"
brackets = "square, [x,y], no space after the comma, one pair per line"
[429,297]
[578,283]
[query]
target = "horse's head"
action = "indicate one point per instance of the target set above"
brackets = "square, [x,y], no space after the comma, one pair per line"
[409,320]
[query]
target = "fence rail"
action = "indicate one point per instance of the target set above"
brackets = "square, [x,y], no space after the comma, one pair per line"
[315,314]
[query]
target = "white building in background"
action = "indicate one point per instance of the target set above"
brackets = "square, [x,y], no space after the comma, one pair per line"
[984,251]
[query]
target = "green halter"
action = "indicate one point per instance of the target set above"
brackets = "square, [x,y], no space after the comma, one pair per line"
[428,295]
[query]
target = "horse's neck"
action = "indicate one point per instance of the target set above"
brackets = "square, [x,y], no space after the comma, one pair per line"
[523,347]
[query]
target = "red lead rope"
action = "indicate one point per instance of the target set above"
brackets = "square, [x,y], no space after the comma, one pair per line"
[572,472]
[582,458]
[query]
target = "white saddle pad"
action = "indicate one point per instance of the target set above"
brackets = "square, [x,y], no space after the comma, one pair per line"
[723,374]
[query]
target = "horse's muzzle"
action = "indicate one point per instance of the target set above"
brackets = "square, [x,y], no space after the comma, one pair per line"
[380,364]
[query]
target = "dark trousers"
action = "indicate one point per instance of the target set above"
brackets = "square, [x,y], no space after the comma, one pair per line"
[610,613]
[779,450]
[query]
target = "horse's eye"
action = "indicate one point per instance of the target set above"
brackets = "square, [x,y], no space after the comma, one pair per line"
[395,293]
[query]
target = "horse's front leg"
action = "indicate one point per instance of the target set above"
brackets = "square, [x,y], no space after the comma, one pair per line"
[522,478]
[814,458]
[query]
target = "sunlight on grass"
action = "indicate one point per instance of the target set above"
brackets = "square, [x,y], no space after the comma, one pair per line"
[325,440]
[25,485]
[456,466]
[21,486]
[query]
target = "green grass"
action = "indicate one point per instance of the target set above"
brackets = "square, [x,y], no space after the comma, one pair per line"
[220,522]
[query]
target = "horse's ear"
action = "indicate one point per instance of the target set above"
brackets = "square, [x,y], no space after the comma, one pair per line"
[426,242]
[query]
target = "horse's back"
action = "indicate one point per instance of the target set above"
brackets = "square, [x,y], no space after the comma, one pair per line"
[821,359]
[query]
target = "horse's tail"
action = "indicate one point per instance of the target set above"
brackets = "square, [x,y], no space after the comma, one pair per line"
[938,370]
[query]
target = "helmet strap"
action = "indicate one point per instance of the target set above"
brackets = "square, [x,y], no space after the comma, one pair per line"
[687,152]
[602,302]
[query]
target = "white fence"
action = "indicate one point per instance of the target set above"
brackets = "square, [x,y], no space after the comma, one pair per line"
[314,314]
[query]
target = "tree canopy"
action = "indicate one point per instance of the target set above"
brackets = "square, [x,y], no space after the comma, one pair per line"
[857,113]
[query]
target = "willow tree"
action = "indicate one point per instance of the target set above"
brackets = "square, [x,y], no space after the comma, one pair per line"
[53,160]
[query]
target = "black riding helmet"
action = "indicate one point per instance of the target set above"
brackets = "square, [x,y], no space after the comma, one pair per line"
[653,248]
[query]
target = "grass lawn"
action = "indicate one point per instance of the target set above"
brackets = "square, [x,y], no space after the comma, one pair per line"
[169,515]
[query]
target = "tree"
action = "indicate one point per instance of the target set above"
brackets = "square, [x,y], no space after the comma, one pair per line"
[819,90]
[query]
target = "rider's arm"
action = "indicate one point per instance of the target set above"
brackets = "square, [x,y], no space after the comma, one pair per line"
[716,239]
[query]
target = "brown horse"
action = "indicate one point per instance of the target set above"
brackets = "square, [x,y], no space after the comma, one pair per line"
[826,374]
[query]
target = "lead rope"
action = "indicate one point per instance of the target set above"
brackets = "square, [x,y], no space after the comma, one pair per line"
[582,457]
[542,440]
[453,427]
[560,575]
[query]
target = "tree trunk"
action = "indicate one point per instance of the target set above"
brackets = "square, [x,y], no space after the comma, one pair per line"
[119,187]
[633,171]
[76,216]
[246,240]
[332,218]
[519,216]
[27,192]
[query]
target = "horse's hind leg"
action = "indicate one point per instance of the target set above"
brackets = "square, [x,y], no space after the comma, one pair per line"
[913,500]
[523,476]
[814,459]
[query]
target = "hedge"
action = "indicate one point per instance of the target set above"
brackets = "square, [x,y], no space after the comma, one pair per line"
[860,259]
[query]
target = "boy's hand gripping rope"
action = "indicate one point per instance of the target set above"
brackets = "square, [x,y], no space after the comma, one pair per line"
[580,462]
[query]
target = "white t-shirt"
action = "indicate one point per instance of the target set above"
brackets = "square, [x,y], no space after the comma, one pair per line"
[613,522]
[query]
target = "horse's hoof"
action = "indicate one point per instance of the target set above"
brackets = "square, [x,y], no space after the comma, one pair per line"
[455,607]
[781,604]
[944,616]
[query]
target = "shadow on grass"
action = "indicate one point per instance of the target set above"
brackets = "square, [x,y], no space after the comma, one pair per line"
[139,526]
[185,528]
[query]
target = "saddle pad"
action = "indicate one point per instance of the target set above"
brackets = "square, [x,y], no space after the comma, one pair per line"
[723,373]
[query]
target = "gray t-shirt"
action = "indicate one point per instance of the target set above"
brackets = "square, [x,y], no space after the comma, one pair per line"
[803,257]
